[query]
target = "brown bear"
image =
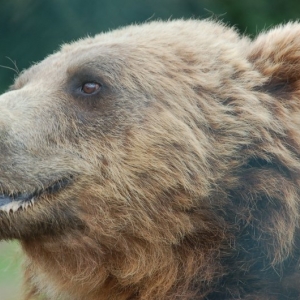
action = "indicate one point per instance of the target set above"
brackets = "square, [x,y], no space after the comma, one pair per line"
[158,161]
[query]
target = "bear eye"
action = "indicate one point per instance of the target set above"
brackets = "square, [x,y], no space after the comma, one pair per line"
[90,88]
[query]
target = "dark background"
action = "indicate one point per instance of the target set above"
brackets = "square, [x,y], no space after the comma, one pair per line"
[32,29]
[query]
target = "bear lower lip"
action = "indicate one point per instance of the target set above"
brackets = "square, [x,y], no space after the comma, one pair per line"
[14,202]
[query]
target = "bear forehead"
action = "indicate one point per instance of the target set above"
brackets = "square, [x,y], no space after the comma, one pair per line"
[57,66]
[204,40]
[159,32]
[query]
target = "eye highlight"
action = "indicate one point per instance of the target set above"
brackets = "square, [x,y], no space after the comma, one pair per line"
[90,88]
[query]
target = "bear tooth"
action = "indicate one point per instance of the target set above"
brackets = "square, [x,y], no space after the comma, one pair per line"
[13,206]
[16,206]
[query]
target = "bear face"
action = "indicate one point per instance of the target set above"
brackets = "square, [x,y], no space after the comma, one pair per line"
[156,162]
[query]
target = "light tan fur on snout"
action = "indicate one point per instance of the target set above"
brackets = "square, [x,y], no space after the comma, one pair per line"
[178,178]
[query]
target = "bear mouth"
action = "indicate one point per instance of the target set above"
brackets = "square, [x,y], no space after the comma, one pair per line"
[21,201]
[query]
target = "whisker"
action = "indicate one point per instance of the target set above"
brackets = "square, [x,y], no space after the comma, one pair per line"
[5,67]
[15,65]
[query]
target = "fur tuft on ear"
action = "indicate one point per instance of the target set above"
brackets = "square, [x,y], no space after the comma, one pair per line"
[276,54]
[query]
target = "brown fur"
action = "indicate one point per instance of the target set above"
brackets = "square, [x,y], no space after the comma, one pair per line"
[180,177]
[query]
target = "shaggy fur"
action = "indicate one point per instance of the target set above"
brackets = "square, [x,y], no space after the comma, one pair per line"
[177,179]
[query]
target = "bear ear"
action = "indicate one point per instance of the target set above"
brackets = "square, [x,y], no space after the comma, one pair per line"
[276,54]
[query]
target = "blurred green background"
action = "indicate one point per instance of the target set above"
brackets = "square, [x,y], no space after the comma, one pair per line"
[32,29]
